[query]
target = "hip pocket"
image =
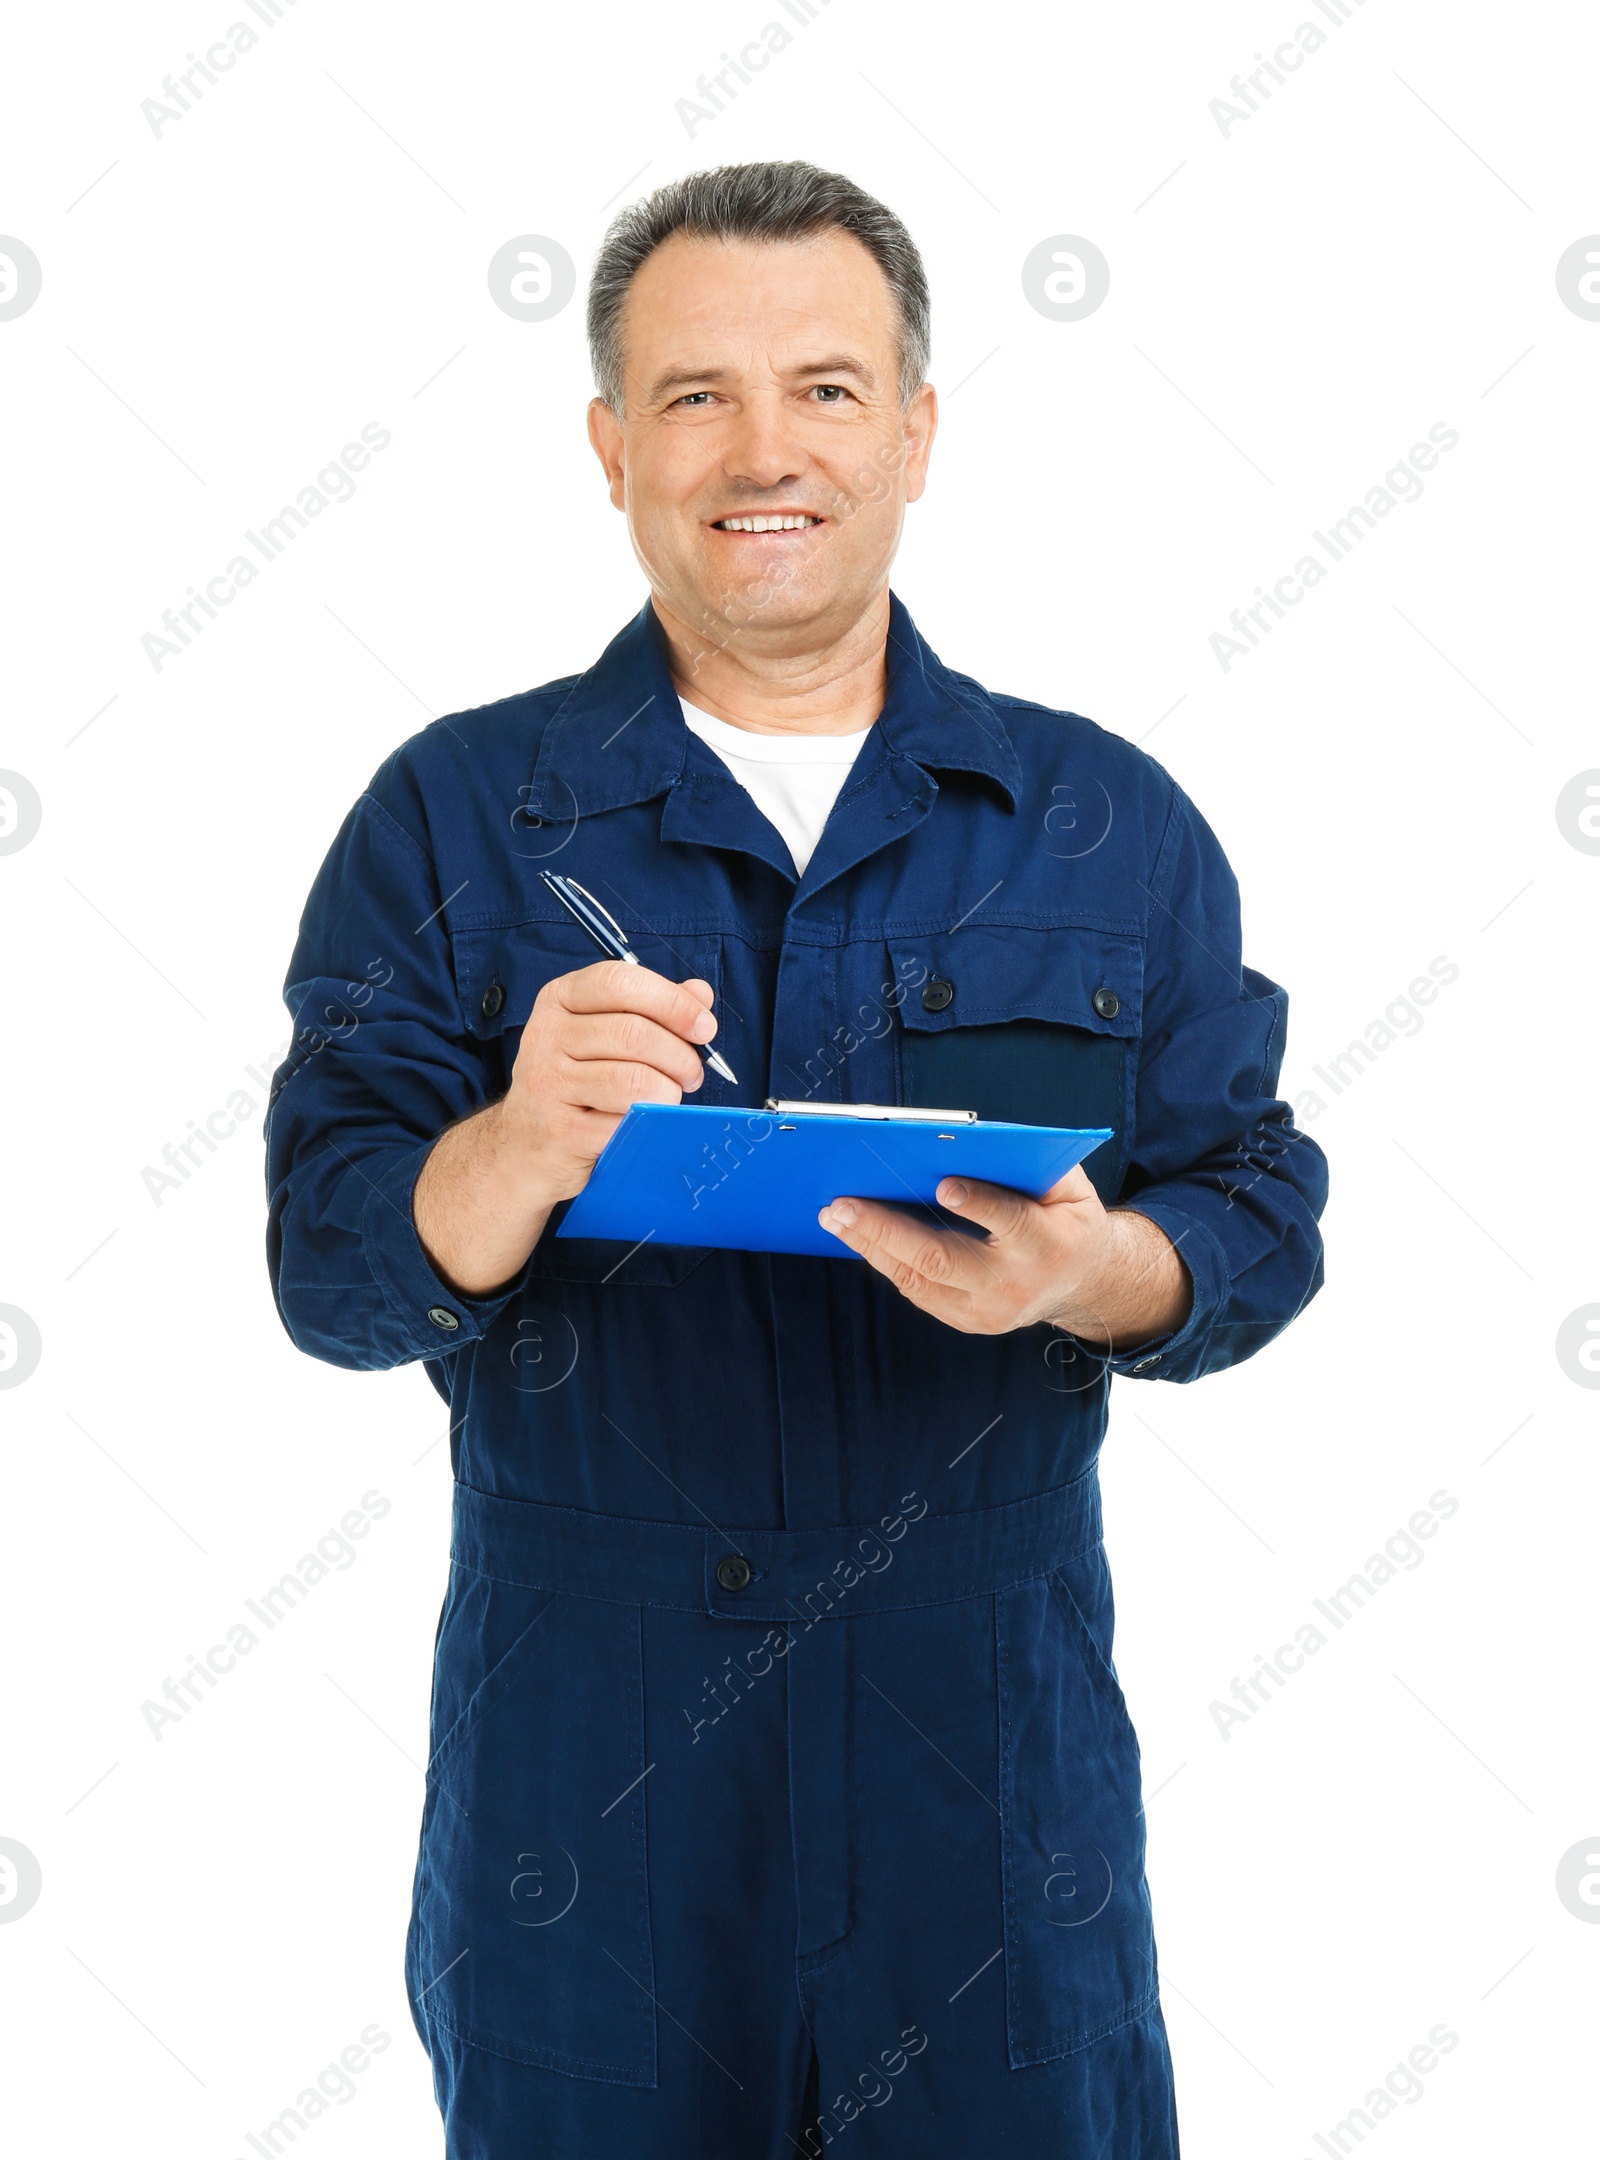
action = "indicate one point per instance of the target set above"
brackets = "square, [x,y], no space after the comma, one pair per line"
[530,1930]
[1080,1951]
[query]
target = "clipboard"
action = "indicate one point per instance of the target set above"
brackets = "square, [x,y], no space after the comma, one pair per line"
[755,1180]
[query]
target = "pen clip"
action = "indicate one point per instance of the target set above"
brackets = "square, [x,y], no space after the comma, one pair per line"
[604,914]
[583,905]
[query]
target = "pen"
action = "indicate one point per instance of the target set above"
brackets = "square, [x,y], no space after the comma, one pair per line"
[603,929]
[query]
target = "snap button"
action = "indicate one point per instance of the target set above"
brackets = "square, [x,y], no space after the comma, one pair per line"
[442,1317]
[734,1572]
[937,995]
[1106,1003]
[493,999]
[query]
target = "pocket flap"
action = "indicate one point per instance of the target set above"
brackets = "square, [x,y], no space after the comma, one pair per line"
[500,972]
[1085,978]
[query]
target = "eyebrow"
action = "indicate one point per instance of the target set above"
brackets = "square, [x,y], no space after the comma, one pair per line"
[690,378]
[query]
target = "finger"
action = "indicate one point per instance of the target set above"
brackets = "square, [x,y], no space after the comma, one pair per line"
[595,1084]
[1000,1210]
[630,1039]
[613,986]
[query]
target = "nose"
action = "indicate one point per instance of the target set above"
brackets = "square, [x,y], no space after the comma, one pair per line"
[760,447]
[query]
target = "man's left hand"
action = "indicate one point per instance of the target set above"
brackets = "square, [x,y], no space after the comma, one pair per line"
[1108,1276]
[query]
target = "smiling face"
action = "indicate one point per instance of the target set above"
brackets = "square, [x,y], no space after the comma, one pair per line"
[764,460]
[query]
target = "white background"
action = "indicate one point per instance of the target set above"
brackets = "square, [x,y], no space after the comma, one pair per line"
[1291,307]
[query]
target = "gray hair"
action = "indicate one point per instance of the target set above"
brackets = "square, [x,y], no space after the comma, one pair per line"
[755,202]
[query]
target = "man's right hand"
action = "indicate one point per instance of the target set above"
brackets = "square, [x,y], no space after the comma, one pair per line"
[596,1041]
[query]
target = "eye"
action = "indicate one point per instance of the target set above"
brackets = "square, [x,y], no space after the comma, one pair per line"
[831,393]
[692,397]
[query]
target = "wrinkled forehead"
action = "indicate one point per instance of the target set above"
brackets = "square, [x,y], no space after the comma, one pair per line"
[755,309]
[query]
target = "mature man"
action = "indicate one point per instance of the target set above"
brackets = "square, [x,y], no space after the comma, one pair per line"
[781,1790]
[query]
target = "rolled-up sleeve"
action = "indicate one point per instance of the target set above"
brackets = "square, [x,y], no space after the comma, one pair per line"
[1217,1160]
[380,1065]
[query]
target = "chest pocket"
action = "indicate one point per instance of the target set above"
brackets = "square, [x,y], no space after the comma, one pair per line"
[1034,1027]
[499,974]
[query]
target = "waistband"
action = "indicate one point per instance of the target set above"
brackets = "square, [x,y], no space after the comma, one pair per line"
[903,1560]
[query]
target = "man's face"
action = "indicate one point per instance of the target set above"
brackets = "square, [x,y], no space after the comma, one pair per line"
[762,381]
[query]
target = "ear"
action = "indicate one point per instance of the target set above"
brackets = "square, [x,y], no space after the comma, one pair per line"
[605,433]
[920,425]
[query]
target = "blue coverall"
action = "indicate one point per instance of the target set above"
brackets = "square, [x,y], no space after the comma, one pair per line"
[781,1792]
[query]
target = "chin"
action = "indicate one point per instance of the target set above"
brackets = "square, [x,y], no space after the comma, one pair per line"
[776,603]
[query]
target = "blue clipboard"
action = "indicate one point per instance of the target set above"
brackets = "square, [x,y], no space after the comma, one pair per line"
[680,1174]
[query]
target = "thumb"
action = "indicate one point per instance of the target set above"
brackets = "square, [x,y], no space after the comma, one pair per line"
[1074,1186]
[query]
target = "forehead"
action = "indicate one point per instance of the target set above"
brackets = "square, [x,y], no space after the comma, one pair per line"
[710,300]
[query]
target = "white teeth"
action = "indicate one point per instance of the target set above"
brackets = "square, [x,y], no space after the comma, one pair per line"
[767,524]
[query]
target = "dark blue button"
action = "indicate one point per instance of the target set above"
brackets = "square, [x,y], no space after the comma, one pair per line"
[734,1572]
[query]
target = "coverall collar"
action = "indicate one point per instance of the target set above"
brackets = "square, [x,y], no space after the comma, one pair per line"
[620,736]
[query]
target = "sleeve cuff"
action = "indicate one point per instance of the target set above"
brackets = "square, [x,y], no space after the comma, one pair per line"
[434,1318]
[1175,1355]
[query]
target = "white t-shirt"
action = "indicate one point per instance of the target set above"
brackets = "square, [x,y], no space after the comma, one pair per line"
[794,779]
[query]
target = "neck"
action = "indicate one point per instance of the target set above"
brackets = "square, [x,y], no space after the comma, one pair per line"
[833,689]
